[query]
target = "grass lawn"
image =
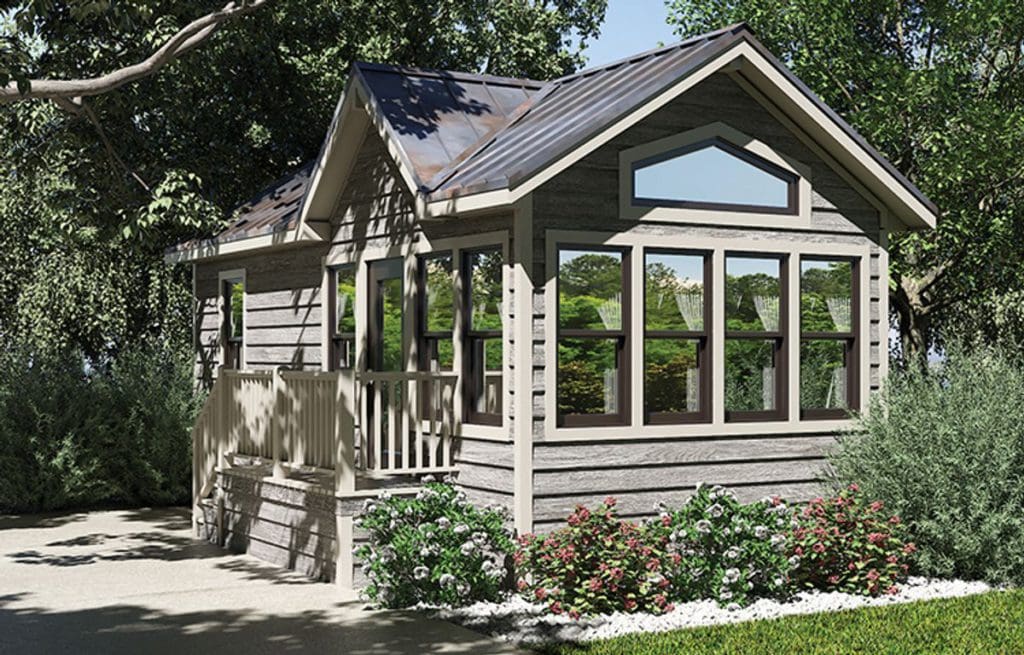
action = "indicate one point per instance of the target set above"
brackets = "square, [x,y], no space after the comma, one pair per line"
[986,623]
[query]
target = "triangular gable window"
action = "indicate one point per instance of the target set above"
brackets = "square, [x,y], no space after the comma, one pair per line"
[714,174]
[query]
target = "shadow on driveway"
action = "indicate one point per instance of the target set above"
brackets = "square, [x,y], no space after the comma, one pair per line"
[136,582]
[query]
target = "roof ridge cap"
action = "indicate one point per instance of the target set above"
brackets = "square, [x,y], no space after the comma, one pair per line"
[693,40]
[446,74]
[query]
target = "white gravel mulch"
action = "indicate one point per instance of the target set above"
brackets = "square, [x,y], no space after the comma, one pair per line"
[522,622]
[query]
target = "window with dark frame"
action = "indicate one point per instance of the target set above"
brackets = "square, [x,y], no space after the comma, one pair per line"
[828,337]
[677,371]
[755,337]
[232,321]
[482,326]
[593,336]
[436,312]
[717,175]
[343,317]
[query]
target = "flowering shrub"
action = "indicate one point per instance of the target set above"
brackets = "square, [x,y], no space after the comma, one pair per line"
[725,550]
[435,548]
[597,564]
[847,544]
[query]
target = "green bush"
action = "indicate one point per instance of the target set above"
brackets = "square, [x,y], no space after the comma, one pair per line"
[847,544]
[730,552]
[597,563]
[944,449]
[75,435]
[434,548]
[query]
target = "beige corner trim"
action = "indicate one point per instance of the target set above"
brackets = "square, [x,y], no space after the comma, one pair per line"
[522,437]
[628,210]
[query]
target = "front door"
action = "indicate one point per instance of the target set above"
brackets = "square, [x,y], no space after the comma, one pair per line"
[385,322]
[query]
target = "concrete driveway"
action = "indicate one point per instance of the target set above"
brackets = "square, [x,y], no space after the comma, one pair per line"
[135,582]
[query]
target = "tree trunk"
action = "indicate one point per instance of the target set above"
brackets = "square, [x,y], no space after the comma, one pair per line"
[914,322]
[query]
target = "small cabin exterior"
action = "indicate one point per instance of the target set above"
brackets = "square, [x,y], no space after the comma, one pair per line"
[664,271]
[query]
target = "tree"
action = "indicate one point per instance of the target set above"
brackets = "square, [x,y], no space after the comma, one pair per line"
[91,198]
[938,87]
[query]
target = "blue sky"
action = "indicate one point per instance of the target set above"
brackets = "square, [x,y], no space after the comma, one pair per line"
[630,26]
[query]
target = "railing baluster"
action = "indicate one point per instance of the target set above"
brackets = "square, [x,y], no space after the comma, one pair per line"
[378,425]
[417,428]
[393,421]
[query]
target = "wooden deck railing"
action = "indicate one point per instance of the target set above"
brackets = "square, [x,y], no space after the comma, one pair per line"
[407,420]
[299,418]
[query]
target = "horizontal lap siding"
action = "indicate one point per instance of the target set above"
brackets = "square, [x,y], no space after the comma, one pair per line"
[640,473]
[283,309]
[485,470]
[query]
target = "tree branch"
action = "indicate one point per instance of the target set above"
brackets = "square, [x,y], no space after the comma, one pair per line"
[187,38]
[108,146]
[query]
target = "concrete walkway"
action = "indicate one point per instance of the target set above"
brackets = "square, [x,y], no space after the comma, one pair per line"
[135,582]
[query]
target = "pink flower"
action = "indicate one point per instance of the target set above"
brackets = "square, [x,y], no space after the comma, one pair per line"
[894,520]
[873,575]
[540,594]
[556,607]
[818,547]
[574,615]
[666,520]
[909,548]
[833,579]
[653,564]
[892,559]
[574,519]
[630,605]
[610,501]
[876,538]
[521,585]
[595,584]
[854,488]
[876,506]
[851,566]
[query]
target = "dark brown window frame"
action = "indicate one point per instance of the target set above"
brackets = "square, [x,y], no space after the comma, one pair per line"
[623,338]
[780,352]
[704,343]
[473,340]
[336,339]
[232,345]
[791,179]
[851,341]
[426,340]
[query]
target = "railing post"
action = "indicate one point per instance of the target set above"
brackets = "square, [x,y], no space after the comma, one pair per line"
[344,474]
[277,419]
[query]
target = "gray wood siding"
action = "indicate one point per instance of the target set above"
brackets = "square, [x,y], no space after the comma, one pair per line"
[283,312]
[641,472]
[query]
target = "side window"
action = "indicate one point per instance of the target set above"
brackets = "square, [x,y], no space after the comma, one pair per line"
[676,355]
[755,323]
[232,322]
[436,313]
[828,343]
[593,344]
[483,356]
[343,317]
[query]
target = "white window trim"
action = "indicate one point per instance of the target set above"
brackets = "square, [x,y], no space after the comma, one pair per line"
[409,251]
[717,248]
[233,275]
[628,210]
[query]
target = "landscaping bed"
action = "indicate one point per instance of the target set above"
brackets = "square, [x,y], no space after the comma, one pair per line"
[530,623]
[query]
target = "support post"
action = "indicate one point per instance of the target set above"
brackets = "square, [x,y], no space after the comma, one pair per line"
[344,475]
[277,425]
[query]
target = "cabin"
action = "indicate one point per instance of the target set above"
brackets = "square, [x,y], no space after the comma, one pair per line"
[667,270]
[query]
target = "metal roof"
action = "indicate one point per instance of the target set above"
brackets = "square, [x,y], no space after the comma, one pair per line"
[275,209]
[438,117]
[570,109]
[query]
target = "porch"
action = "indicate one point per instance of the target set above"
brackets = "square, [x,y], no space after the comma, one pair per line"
[283,460]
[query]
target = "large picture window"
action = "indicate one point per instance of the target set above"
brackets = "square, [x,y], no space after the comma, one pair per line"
[828,346]
[343,317]
[436,313]
[676,362]
[483,356]
[755,353]
[593,318]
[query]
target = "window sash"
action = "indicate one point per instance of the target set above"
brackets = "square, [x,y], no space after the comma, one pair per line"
[340,357]
[779,338]
[620,335]
[472,343]
[849,338]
